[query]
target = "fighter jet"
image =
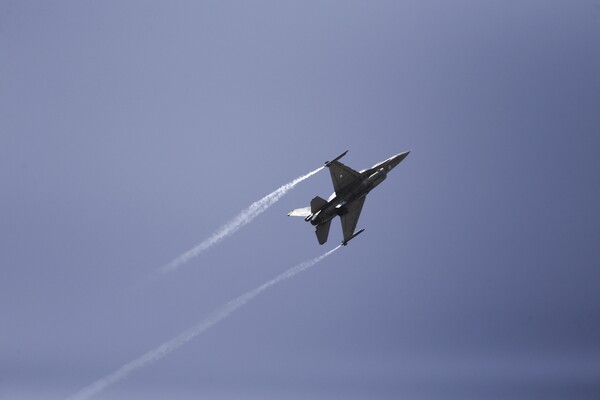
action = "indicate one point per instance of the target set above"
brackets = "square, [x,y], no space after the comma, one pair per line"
[351,188]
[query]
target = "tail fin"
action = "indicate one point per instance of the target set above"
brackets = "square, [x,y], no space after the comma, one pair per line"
[300,212]
[323,232]
[316,204]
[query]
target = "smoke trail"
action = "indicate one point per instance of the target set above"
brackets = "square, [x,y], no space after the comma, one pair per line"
[244,217]
[161,351]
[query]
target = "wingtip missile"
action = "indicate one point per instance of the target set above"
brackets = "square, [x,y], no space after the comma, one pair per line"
[345,242]
[328,163]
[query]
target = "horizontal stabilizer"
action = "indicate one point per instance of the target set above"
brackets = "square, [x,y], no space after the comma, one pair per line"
[300,212]
[323,232]
[317,204]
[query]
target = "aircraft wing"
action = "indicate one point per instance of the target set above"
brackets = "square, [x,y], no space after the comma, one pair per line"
[343,176]
[350,219]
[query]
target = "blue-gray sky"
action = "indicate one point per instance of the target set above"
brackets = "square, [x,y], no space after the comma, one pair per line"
[130,131]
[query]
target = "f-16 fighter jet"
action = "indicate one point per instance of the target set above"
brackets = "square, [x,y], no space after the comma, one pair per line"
[351,188]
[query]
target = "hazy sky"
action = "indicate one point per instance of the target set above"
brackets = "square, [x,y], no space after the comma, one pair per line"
[130,131]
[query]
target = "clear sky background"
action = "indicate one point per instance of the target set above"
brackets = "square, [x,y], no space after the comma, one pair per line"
[131,130]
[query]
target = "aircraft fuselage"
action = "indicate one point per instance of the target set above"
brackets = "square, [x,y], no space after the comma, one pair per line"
[337,206]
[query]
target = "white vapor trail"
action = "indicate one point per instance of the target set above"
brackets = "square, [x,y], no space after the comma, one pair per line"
[164,349]
[244,217]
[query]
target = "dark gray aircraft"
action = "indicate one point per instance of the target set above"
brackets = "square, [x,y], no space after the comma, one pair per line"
[351,188]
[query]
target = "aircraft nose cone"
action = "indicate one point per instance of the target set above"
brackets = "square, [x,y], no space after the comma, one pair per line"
[402,156]
[397,159]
